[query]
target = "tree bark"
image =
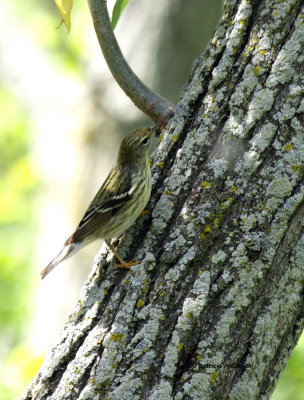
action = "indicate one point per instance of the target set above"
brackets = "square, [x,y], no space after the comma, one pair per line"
[216,306]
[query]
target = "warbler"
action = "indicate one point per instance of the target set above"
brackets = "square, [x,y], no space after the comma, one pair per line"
[120,200]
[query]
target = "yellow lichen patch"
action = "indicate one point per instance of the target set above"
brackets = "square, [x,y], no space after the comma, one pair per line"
[160,138]
[175,137]
[208,229]
[213,377]
[288,146]
[205,185]
[140,303]
[200,272]
[296,167]
[262,52]
[206,232]
[227,202]
[257,70]
[146,288]
[233,189]
[144,377]
[216,223]
[161,293]
[180,346]
[188,315]
[117,337]
[167,192]
[199,357]
[160,164]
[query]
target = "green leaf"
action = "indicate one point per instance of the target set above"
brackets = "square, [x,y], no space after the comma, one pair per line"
[64,8]
[117,11]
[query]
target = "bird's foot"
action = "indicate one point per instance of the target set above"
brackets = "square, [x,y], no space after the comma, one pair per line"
[127,265]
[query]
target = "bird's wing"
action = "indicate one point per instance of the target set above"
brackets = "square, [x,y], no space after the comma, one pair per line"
[112,195]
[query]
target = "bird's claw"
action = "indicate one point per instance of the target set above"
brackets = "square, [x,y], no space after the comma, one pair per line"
[127,265]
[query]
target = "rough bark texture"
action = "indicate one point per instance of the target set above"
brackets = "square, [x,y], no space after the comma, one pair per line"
[216,306]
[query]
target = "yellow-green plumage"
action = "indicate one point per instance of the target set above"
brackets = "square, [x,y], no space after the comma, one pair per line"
[119,201]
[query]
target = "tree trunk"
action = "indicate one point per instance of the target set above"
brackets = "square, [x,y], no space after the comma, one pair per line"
[216,306]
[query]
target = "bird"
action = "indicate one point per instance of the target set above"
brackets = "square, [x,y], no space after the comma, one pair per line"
[120,200]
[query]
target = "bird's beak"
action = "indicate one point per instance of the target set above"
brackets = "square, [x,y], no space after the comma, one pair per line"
[153,127]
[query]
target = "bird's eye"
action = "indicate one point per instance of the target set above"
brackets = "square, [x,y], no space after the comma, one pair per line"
[145,141]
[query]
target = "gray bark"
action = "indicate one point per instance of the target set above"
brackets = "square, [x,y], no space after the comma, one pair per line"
[216,306]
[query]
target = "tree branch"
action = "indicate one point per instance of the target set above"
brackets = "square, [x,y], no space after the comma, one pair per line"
[153,105]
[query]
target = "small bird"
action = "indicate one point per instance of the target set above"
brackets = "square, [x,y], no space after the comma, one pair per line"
[120,200]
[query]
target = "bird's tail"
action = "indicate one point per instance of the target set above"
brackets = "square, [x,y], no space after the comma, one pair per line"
[67,251]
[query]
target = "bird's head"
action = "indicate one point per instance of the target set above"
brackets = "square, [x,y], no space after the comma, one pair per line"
[135,148]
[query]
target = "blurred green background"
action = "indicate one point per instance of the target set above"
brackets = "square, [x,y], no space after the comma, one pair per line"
[40,150]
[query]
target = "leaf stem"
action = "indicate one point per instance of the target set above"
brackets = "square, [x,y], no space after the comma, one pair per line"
[155,106]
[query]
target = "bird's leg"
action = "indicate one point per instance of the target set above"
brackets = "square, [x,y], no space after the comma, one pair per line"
[123,264]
